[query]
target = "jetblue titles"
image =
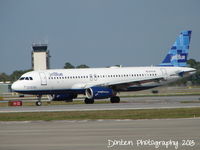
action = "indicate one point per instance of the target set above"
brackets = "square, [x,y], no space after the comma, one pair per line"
[178,57]
[57,74]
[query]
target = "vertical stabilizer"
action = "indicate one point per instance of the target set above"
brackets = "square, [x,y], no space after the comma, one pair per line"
[177,55]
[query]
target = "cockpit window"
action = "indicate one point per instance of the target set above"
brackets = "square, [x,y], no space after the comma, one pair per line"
[22,78]
[26,78]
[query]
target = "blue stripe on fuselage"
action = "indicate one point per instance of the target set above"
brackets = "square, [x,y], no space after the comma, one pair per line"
[46,92]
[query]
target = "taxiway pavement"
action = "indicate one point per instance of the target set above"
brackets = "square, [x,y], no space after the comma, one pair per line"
[127,103]
[184,134]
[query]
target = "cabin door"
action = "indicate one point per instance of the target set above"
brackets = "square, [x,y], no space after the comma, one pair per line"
[43,78]
[164,72]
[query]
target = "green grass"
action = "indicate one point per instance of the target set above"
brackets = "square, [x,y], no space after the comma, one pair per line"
[194,101]
[105,114]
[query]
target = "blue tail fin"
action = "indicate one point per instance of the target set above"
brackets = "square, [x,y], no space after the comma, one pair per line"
[177,55]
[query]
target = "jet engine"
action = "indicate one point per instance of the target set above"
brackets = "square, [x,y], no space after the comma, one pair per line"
[99,92]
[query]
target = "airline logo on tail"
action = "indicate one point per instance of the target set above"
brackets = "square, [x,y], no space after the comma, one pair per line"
[177,55]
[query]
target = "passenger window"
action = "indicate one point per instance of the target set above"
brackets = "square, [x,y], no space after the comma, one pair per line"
[30,78]
[27,78]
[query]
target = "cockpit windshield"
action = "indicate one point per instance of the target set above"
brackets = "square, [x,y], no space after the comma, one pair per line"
[26,78]
[22,78]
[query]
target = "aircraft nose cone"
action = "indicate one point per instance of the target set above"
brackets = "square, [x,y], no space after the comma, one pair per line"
[15,86]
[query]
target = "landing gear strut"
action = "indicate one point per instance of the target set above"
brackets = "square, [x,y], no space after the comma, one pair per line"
[89,101]
[115,99]
[39,102]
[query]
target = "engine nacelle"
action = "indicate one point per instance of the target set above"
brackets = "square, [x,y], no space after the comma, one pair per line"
[98,92]
[63,97]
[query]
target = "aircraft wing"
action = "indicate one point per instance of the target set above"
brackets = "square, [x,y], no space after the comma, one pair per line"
[125,83]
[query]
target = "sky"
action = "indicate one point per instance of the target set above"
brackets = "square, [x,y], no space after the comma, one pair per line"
[97,33]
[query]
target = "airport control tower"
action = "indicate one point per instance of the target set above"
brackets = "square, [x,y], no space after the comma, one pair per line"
[40,57]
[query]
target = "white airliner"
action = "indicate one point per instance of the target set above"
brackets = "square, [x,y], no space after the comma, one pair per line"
[101,83]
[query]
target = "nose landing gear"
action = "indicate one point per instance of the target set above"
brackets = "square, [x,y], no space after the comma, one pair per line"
[39,102]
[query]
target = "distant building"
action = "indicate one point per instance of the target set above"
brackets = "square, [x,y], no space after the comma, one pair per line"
[40,57]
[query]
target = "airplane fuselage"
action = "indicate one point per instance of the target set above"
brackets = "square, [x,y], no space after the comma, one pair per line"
[77,80]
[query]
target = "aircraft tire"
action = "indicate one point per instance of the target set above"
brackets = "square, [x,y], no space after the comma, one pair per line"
[115,99]
[89,101]
[38,103]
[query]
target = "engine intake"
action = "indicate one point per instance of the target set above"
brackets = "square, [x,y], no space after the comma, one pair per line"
[98,92]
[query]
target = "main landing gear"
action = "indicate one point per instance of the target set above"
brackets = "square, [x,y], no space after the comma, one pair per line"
[89,101]
[39,102]
[114,99]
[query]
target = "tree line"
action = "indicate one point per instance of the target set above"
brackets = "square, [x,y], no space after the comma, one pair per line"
[193,80]
[68,65]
